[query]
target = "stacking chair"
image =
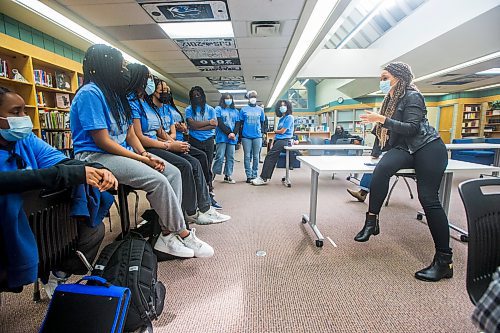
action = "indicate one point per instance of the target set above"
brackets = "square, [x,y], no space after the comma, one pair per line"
[482,208]
[404,176]
[55,231]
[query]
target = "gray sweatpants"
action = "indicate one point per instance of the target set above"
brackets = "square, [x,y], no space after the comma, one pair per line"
[164,189]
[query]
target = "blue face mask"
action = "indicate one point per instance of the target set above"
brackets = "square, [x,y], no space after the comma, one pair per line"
[150,86]
[228,102]
[385,86]
[283,109]
[20,128]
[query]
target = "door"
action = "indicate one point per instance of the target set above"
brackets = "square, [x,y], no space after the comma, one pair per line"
[446,123]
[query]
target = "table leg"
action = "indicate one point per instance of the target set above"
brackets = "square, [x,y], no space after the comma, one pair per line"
[286,180]
[496,161]
[313,204]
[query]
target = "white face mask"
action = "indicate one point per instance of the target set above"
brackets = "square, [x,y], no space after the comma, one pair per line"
[252,100]
[20,128]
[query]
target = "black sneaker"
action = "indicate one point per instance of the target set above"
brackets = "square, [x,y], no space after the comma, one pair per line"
[229,180]
[249,180]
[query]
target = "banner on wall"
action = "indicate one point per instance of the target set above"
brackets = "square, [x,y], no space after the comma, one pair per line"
[206,43]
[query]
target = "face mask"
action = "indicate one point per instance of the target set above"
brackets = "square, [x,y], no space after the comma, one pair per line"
[283,109]
[252,100]
[228,102]
[125,80]
[20,128]
[165,97]
[385,86]
[150,86]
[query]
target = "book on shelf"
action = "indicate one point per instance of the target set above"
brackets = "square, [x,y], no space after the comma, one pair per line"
[43,78]
[40,99]
[62,81]
[4,68]
[53,119]
[59,140]
[62,101]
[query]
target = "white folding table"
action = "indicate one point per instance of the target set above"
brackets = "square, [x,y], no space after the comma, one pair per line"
[347,164]
[286,180]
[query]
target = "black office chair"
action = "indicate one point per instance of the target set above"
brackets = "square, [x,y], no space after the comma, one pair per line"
[483,222]
[404,176]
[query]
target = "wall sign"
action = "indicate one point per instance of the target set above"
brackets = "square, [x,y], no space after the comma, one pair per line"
[219,68]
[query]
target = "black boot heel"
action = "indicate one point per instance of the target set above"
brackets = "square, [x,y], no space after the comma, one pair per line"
[371,227]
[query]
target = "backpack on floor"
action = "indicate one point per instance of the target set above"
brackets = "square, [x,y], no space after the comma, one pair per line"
[131,263]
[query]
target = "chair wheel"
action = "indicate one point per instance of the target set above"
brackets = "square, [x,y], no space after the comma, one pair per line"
[319,243]
[420,217]
[348,178]
[333,176]
[304,220]
[283,179]
[464,238]
[481,176]
[289,185]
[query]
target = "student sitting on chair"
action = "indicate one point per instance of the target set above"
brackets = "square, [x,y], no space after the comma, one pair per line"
[284,133]
[147,115]
[29,163]
[101,124]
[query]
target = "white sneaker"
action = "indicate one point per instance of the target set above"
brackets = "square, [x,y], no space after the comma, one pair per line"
[211,216]
[192,218]
[52,284]
[229,180]
[200,248]
[173,245]
[259,181]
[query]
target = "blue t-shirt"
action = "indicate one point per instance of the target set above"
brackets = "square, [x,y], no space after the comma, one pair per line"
[201,135]
[176,118]
[37,154]
[150,119]
[229,117]
[89,111]
[252,116]
[285,122]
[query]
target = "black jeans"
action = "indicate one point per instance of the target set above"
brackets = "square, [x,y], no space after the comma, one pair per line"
[194,188]
[272,158]
[208,147]
[429,163]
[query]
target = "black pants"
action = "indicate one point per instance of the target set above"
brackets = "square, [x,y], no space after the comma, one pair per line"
[194,188]
[89,241]
[429,163]
[206,147]
[272,158]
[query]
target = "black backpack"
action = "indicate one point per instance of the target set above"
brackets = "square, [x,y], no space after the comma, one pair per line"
[131,263]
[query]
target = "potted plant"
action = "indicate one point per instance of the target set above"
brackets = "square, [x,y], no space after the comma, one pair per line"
[495,105]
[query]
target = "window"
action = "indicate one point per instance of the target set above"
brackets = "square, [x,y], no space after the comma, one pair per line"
[298,98]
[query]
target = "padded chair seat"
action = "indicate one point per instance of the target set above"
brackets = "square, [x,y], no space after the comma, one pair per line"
[482,153]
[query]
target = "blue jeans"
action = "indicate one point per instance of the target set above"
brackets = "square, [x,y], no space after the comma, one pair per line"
[251,150]
[365,182]
[224,150]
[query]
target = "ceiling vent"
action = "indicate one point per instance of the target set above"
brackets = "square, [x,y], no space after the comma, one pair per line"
[265,28]
[260,77]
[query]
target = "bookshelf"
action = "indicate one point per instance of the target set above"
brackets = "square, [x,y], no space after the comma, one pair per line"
[50,83]
[471,120]
[492,120]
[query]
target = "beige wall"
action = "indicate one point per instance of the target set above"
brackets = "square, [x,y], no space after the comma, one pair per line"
[432,115]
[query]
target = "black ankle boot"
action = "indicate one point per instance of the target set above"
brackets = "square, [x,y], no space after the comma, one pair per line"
[371,228]
[441,268]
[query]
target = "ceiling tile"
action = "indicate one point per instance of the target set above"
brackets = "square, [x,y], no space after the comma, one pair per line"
[257,53]
[262,42]
[151,45]
[91,2]
[136,32]
[163,55]
[265,10]
[242,28]
[108,14]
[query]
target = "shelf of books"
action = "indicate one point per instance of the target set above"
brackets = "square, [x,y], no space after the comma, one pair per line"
[47,82]
[492,124]
[471,121]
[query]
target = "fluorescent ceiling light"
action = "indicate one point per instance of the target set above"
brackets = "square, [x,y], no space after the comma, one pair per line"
[236,91]
[491,71]
[318,18]
[198,29]
[460,66]
[485,87]
[67,24]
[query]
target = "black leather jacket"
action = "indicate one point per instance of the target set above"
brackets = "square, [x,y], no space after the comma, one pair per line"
[408,128]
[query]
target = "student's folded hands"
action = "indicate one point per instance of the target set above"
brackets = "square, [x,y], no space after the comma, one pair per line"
[102,179]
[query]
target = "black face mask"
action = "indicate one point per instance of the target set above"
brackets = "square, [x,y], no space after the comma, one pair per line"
[197,100]
[125,79]
[165,97]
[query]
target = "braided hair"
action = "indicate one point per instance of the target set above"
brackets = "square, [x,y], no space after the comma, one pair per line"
[203,98]
[102,65]
[402,72]
[138,78]
[3,92]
